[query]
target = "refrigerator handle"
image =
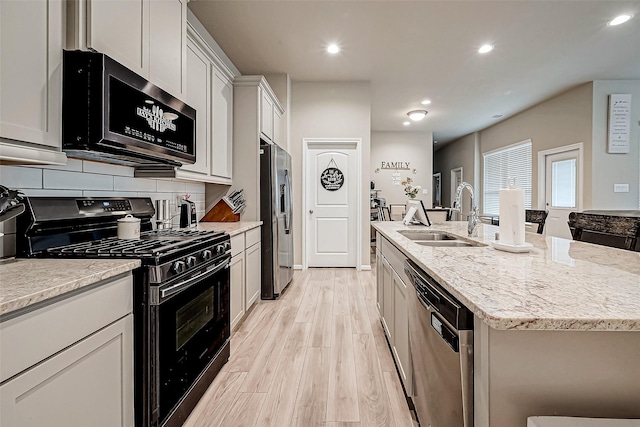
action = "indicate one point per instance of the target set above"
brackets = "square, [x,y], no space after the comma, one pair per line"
[287,196]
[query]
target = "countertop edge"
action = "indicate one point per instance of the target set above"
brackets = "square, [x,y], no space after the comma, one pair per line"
[42,295]
[524,323]
[233,228]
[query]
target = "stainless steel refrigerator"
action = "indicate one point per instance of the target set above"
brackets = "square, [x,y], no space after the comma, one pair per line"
[276,216]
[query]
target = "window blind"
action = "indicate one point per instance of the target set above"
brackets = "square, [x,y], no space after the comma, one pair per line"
[499,165]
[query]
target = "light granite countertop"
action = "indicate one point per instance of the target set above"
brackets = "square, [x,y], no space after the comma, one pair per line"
[560,285]
[24,282]
[233,228]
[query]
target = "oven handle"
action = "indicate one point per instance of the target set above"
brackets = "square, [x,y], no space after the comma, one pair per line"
[171,290]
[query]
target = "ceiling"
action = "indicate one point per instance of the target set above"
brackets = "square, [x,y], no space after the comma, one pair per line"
[412,50]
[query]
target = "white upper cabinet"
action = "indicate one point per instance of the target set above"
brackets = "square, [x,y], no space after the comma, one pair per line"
[266,115]
[222,124]
[147,36]
[277,127]
[31,42]
[167,45]
[199,97]
[210,92]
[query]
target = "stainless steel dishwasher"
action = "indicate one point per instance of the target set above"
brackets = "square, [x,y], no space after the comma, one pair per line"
[441,342]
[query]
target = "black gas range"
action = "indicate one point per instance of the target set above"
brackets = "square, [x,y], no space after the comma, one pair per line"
[181,293]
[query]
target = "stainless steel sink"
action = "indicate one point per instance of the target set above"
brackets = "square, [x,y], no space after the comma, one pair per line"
[450,243]
[426,235]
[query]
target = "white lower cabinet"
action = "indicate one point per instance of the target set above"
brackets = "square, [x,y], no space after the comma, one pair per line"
[254,273]
[246,274]
[238,279]
[392,303]
[71,362]
[88,384]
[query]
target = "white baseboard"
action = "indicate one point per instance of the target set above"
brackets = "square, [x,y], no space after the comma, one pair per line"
[297,267]
[365,267]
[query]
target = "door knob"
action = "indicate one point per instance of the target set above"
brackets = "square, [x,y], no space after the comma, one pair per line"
[310,211]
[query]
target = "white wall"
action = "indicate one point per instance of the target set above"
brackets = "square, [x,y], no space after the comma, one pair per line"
[609,169]
[413,147]
[457,154]
[329,110]
[85,178]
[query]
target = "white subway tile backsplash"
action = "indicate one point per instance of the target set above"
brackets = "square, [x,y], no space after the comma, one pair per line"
[18,177]
[76,180]
[107,169]
[122,183]
[195,187]
[165,186]
[39,192]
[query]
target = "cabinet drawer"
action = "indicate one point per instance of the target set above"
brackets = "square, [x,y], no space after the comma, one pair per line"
[395,258]
[252,237]
[36,335]
[237,244]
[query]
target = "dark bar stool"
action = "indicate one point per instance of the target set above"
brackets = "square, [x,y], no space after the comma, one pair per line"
[536,217]
[609,230]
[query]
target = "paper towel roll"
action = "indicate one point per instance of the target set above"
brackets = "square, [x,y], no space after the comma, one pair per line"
[512,216]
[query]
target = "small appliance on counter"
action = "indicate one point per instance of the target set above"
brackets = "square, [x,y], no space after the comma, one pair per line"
[188,216]
[11,203]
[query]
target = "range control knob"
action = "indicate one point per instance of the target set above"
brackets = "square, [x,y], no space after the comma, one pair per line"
[191,261]
[178,267]
[227,246]
[219,249]
[206,254]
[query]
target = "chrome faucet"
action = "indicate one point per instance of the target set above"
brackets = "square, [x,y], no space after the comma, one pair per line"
[474,219]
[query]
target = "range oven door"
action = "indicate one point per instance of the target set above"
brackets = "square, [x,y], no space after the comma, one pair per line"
[189,325]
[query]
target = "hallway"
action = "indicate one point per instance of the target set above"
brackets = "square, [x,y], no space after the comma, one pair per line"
[315,357]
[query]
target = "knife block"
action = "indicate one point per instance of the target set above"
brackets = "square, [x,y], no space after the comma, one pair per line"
[221,212]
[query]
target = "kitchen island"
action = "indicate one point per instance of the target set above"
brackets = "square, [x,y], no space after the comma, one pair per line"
[556,330]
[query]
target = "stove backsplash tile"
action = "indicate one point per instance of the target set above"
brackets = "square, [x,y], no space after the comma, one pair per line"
[92,179]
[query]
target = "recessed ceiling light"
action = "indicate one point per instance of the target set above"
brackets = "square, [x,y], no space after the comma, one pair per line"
[333,48]
[426,102]
[417,115]
[621,19]
[406,123]
[485,48]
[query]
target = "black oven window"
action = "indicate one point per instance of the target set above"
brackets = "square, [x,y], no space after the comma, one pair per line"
[193,316]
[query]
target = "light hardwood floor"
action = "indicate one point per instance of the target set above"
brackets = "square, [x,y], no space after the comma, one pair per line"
[315,357]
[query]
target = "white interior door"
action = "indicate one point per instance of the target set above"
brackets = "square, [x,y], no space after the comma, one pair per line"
[456,179]
[562,191]
[331,211]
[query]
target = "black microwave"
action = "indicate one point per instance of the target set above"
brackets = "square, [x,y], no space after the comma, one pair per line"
[111,114]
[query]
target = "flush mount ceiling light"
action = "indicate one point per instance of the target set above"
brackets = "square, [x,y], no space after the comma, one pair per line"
[426,102]
[621,19]
[417,115]
[485,48]
[333,48]
[406,123]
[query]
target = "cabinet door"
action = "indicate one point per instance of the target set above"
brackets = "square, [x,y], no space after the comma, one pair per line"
[254,274]
[401,331]
[222,120]
[88,384]
[198,97]
[167,45]
[237,288]
[120,29]
[266,115]
[379,282]
[388,293]
[31,42]
[277,128]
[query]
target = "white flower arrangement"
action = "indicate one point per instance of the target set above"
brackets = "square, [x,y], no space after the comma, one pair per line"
[410,190]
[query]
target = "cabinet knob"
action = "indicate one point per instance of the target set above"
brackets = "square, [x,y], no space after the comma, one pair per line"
[310,211]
